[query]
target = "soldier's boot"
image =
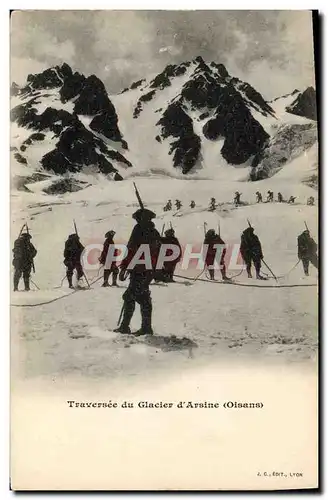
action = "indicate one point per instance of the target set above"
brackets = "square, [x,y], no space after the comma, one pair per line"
[69,279]
[26,277]
[146,314]
[115,274]
[211,272]
[106,277]
[17,276]
[127,316]
[258,269]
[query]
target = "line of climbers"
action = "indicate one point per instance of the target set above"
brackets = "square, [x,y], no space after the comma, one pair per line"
[237,201]
[141,275]
[250,248]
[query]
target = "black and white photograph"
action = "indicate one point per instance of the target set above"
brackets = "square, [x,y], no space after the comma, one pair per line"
[164,201]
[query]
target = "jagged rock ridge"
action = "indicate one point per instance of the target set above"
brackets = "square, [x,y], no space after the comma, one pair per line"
[75,115]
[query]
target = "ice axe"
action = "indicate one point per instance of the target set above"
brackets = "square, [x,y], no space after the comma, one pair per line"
[249,224]
[205,224]
[306,226]
[163,229]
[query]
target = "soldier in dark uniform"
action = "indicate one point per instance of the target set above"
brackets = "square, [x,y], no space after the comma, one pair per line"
[292,199]
[212,205]
[72,258]
[237,198]
[169,266]
[307,251]
[259,198]
[102,259]
[270,196]
[23,255]
[192,204]
[280,198]
[251,251]
[143,233]
[212,239]
[178,204]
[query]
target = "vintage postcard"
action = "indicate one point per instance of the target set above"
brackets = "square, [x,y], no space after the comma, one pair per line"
[164,236]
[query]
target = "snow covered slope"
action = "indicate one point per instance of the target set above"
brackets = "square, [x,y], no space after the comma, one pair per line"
[225,321]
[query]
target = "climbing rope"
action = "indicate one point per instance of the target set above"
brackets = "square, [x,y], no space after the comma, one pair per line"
[198,278]
[245,284]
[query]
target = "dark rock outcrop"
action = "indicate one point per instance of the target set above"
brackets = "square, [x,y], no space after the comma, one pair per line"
[176,123]
[305,104]
[244,136]
[75,146]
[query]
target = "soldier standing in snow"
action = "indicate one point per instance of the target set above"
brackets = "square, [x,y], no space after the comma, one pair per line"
[143,233]
[307,251]
[72,258]
[23,255]
[212,239]
[237,198]
[192,204]
[270,197]
[280,198]
[169,267]
[212,205]
[102,259]
[258,197]
[310,201]
[178,204]
[251,251]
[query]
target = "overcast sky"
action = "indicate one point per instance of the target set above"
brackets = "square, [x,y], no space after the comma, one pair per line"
[272,50]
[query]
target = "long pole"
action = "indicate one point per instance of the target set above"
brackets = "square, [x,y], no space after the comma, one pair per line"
[33,266]
[205,224]
[20,232]
[121,314]
[163,229]
[275,277]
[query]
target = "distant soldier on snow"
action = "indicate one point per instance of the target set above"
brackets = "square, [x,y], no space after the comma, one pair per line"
[192,204]
[143,233]
[307,251]
[237,198]
[280,198]
[23,255]
[212,239]
[212,205]
[259,198]
[251,251]
[310,201]
[169,266]
[72,257]
[178,204]
[292,199]
[102,259]
[270,196]
[168,206]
